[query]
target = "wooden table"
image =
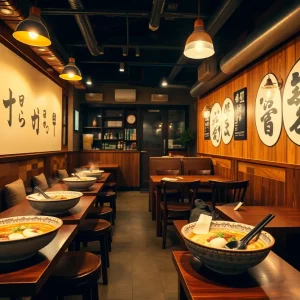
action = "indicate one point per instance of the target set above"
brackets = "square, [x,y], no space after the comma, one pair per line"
[272,279]
[92,191]
[287,219]
[155,184]
[103,177]
[25,278]
[178,224]
[74,216]
[112,168]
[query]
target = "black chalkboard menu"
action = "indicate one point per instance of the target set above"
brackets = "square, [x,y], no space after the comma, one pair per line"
[240,114]
[206,128]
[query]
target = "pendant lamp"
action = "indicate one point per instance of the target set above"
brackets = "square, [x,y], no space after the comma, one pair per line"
[32,31]
[70,71]
[199,44]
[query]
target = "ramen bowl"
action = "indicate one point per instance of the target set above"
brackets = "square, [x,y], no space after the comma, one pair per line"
[19,249]
[60,202]
[228,261]
[92,173]
[81,184]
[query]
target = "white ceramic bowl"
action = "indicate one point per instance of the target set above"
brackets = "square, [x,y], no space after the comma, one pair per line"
[92,173]
[54,207]
[74,183]
[15,250]
[227,261]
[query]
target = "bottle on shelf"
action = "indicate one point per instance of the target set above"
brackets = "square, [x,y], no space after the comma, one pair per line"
[99,135]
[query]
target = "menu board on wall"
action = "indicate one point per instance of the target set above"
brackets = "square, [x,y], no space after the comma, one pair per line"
[291,107]
[206,129]
[240,114]
[216,124]
[30,107]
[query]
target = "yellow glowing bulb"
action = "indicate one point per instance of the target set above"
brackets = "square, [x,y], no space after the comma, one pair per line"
[71,75]
[269,93]
[33,35]
[199,46]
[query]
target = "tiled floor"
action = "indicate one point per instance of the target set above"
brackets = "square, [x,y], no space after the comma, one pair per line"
[139,268]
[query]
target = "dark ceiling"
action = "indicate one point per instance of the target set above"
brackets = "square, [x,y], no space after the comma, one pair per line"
[154,63]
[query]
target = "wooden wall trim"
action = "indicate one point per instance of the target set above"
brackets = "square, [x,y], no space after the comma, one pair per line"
[254,161]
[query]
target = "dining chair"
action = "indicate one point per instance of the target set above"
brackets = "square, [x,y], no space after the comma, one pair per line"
[171,210]
[205,191]
[228,192]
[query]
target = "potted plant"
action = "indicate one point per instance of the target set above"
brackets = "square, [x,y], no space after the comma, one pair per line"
[187,140]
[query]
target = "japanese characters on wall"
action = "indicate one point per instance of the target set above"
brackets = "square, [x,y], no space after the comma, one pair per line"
[227,120]
[216,124]
[268,112]
[30,108]
[291,101]
[206,128]
[240,114]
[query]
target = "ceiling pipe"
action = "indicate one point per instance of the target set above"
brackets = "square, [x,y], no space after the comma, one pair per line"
[213,26]
[157,10]
[85,28]
[137,63]
[131,46]
[280,28]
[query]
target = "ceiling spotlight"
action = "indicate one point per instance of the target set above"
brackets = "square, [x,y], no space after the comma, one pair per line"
[137,52]
[101,50]
[206,111]
[124,51]
[6,12]
[70,71]
[89,80]
[199,44]
[32,31]
[164,82]
[122,67]
[42,49]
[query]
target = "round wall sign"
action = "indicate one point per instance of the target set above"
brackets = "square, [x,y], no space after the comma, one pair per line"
[227,120]
[216,124]
[291,104]
[131,119]
[268,112]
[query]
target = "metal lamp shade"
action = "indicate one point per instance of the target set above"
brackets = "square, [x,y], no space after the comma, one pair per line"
[269,85]
[199,44]
[32,31]
[70,71]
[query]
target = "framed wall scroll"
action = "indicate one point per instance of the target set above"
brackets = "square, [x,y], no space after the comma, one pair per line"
[240,114]
[216,124]
[227,120]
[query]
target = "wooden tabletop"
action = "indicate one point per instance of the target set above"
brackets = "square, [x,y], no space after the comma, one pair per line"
[186,178]
[286,218]
[25,278]
[272,279]
[103,177]
[92,191]
[74,216]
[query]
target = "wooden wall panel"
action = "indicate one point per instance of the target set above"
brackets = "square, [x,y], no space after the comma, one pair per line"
[273,172]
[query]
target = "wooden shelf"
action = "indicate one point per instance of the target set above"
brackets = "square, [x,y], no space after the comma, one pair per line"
[91,127]
[115,127]
[130,140]
[117,117]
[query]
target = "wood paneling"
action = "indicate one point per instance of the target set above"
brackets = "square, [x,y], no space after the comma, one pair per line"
[128,161]
[273,172]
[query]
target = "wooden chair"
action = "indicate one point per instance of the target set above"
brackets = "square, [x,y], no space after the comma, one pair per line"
[176,210]
[205,191]
[76,273]
[228,192]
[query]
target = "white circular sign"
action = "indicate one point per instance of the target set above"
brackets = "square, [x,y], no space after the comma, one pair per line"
[268,112]
[291,104]
[216,124]
[227,120]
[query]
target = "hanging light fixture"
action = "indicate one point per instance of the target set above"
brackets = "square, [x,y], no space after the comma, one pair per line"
[137,52]
[89,80]
[32,31]
[206,111]
[164,83]
[70,71]
[199,44]
[122,67]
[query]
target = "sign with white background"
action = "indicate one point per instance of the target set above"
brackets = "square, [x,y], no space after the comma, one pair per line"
[291,104]
[216,124]
[268,112]
[227,120]
[30,107]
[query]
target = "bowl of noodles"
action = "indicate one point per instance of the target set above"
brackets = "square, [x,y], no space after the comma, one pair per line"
[21,237]
[60,202]
[84,183]
[209,247]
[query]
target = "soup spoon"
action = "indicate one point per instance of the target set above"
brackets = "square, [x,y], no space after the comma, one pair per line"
[76,176]
[42,192]
[242,244]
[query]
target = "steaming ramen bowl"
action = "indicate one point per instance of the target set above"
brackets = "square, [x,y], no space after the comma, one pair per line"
[21,237]
[92,173]
[81,184]
[60,202]
[222,260]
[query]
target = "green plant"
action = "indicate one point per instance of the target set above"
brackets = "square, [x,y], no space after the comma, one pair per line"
[187,138]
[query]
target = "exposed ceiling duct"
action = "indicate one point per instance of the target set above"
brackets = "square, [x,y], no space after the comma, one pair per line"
[213,26]
[157,10]
[85,27]
[280,28]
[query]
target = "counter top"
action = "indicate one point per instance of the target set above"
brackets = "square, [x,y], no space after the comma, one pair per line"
[112,151]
